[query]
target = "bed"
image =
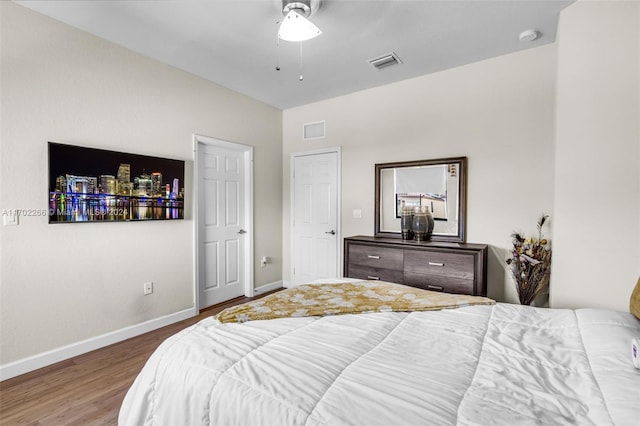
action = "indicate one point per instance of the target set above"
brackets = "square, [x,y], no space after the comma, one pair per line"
[456,361]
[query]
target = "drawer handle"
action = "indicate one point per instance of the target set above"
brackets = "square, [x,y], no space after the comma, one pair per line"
[373,257]
[435,264]
[435,287]
[372,278]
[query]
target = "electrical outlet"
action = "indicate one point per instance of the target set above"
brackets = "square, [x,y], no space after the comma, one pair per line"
[264,261]
[148,288]
[10,220]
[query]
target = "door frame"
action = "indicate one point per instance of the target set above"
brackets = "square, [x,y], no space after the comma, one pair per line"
[337,150]
[248,211]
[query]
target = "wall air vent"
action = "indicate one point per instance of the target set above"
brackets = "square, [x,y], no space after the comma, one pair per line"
[385,61]
[313,130]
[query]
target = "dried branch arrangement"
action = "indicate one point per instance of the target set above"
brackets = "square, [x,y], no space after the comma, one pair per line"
[530,263]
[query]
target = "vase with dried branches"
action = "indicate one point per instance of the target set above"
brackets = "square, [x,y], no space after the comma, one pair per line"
[530,263]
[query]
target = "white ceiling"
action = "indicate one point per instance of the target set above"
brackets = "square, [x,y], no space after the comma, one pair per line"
[233,42]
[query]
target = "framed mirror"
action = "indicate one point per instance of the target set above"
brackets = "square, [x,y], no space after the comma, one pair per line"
[440,185]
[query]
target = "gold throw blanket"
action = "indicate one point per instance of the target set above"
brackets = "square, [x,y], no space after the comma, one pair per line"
[346,298]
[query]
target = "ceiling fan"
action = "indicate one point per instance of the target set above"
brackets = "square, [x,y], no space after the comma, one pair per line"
[296,26]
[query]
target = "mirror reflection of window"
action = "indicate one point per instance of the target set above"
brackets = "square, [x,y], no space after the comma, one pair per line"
[422,179]
[423,186]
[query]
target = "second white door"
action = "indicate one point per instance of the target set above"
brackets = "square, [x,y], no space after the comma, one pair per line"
[315,233]
[221,219]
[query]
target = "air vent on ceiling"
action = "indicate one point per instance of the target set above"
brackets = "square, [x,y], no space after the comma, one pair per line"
[313,130]
[385,61]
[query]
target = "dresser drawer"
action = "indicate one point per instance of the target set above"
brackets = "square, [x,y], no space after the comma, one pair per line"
[440,271]
[375,257]
[370,273]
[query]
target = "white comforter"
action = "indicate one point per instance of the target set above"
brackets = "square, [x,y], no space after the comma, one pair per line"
[480,365]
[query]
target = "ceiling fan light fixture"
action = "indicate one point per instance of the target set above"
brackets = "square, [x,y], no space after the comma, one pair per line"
[296,27]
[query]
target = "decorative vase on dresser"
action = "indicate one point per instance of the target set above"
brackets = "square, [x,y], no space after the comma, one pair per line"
[440,266]
[422,224]
[406,223]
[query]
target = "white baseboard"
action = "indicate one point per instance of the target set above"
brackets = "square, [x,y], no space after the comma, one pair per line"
[267,287]
[287,284]
[26,365]
[44,359]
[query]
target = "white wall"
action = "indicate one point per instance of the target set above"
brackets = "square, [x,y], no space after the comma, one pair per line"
[65,283]
[499,113]
[597,186]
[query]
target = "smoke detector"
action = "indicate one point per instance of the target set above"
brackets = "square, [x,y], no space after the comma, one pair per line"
[529,35]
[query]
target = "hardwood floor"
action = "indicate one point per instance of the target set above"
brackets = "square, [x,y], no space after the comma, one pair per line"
[87,389]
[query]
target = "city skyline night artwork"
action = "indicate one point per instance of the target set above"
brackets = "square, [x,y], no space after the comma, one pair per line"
[96,185]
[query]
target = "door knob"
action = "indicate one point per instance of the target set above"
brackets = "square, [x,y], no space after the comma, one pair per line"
[332,232]
[242,231]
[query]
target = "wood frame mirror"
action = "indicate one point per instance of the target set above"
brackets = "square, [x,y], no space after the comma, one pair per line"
[441,184]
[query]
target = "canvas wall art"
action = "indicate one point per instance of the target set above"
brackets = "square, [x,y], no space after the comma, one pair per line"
[96,185]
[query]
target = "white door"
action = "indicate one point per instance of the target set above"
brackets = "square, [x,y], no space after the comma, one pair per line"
[315,219]
[223,231]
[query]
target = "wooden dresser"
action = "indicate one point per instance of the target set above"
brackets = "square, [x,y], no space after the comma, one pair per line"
[449,267]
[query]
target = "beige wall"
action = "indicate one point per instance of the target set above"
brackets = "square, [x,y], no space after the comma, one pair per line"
[597,186]
[65,283]
[499,113]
